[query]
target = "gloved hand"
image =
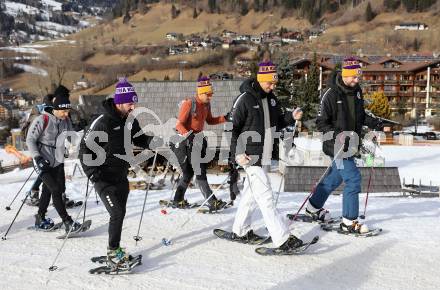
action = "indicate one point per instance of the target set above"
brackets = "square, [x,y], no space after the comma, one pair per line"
[41,164]
[96,176]
[297,114]
[66,153]
[228,117]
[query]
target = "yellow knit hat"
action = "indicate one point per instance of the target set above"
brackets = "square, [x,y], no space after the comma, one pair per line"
[351,68]
[267,72]
[204,86]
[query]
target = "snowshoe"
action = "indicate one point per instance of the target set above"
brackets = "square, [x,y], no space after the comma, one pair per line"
[77,228]
[250,238]
[45,225]
[293,246]
[355,229]
[308,219]
[215,206]
[133,261]
[184,204]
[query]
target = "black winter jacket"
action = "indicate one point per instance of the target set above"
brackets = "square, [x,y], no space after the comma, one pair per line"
[247,115]
[113,169]
[333,113]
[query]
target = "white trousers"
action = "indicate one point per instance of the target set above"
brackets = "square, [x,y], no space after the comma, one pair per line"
[259,194]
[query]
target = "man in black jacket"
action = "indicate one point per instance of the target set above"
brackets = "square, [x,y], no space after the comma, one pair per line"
[256,114]
[107,171]
[341,118]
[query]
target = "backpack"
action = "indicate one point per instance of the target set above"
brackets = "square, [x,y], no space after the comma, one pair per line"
[193,110]
[27,124]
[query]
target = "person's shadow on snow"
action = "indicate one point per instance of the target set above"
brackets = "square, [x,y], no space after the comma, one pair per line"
[344,273]
[179,244]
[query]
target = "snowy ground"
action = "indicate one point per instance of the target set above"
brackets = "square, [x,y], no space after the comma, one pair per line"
[31,69]
[23,49]
[405,256]
[14,9]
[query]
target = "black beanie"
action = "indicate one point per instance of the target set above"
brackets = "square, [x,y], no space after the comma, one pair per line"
[61,100]
[61,91]
[47,100]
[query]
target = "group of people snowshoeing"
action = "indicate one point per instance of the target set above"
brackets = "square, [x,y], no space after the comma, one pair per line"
[255,112]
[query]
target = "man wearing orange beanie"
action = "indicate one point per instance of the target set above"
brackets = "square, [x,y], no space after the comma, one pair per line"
[193,114]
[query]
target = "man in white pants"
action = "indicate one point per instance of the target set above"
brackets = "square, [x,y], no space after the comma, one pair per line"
[257,112]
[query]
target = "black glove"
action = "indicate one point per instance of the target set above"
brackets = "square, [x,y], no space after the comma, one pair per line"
[41,164]
[66,153]
[96,176]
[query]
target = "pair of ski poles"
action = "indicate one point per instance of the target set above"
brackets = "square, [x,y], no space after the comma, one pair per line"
[53,267]
[84,205]
[19,210]
[167,242]
[312,192]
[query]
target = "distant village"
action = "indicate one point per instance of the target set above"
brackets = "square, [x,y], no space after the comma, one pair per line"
[410,82]
[228,39]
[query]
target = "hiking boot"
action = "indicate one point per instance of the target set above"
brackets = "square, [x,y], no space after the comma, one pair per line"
[321,215]
[249,237]
[183,204]
[216,204]
[34,197]
[117,258]
[68,202]
[43,223]
[292,243]
[353,226]
[76,226]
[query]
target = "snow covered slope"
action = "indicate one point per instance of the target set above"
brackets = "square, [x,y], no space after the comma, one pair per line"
[404,256]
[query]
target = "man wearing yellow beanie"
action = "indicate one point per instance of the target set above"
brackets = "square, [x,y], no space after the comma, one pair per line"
[193,114]
[256,112]
[342,111]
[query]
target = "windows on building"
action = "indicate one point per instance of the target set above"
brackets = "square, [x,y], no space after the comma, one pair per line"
[389,88]
[390,77]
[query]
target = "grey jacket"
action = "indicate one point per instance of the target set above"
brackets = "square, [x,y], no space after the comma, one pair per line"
[48,143]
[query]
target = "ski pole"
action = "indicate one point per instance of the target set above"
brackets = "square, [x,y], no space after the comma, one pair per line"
[174,186]
[282,177]
[317,183]
[9,206]
[167,242]
[96,196]
[53,267]
[16,215]
[85,201]
[138,238]
[279,189]
[368,191]
[162,180]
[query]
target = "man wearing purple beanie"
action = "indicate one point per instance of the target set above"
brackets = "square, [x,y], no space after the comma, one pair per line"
[110,175]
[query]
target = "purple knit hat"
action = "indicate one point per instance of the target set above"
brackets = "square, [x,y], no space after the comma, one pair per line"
[125,92]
